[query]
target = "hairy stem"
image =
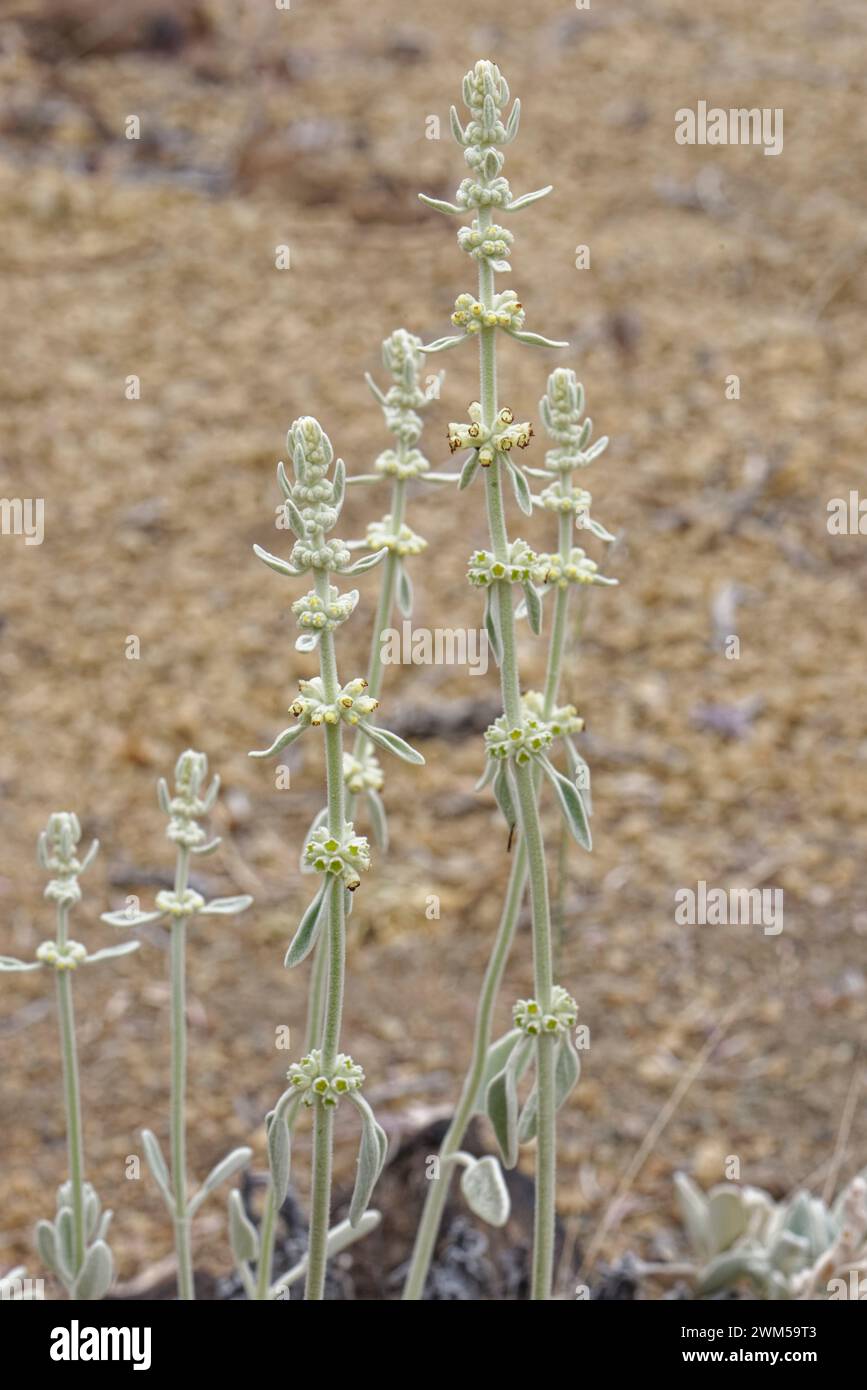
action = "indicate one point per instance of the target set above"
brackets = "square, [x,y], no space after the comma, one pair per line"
[72,1095]
[323,1127]
[178,1135]
[336,949]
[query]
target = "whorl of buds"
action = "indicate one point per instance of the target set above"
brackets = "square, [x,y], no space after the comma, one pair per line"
[503,436]
[485,568]
[556,572]
[56,852]
[312,1083]
[314,614]
[351,704]
[66,956]
[506,311]
[405,541]
[347,857]
[362,774]
[560,1017]
[188,803]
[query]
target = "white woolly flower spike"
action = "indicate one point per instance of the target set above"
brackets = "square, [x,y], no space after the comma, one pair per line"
[56,852]
[190,802]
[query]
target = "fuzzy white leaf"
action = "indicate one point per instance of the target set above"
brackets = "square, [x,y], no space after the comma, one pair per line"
[485,1191]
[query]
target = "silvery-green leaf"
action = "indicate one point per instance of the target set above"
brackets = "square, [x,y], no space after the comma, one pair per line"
[599,530]
[209,848]
[503,793]
[124,949]
[318,819]
[726,1270]
[533,606]
[125,918]
[283,480]
[485,1191]
[45,1244]
[294,517]
[527,198]
[275,563]
[376,393]
[570,804]
[520,487]
[64,1245]
[457,128]
[157,1165]
[469,470]
[307,642]
[567,1070]
[163,796]
[439,205]
[338,483]
[579,771]
[533,339]
[596,449]
[309,927]
[340,1237]
[92,1208]
[363,479]
[440,477]
[371,1158]
[489,773]
[693,1210]
[513,121]
[492,627]
[10,963]
[501,1103]
[392,743]
[288,735]
[367,562]
[220,1173]
[378,819]
[94,1280]
[404,590]
[726,1216]
[226,907]
[243,1236]
[104,1223]
[279,1156]
[443,344]
[497,1056]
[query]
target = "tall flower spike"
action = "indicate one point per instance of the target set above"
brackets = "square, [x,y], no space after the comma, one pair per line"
[311,507]
[179,905]
[73,1245]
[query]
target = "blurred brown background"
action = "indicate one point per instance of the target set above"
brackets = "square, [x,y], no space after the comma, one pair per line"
[156,258]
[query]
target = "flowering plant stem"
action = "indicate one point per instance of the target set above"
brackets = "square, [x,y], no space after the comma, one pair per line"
[177,1120]
[334,947]
[517,742]
[72,1093]
[438,1189]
